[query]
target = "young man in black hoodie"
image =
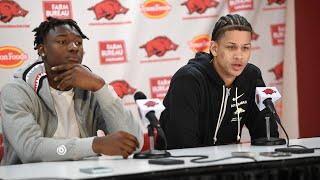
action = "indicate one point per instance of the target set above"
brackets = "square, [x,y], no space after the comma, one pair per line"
[212,97]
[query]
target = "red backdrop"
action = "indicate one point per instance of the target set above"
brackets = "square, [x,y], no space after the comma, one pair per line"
[308,62]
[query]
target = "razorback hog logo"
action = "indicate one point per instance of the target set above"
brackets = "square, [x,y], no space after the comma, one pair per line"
[150,103]
[199,6]
[269,91]
[254,36]
[122,88]
[279,2]
[277,70]
[159,46]
[10,9]
[108,9]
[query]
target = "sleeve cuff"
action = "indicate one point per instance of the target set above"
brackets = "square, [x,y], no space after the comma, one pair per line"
[85,147]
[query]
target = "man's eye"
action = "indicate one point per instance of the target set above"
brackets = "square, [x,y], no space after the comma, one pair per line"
[78,43]
[62,42]
[232,47]
[246,48]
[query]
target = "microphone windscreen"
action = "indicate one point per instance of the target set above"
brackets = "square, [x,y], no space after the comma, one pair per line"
[139,95]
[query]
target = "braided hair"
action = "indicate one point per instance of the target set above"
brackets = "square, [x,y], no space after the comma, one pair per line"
[228,23]
[42,30]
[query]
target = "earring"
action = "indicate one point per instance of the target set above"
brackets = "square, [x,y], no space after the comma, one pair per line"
[42,55]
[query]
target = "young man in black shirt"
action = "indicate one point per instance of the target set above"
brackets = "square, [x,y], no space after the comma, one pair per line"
[212,97]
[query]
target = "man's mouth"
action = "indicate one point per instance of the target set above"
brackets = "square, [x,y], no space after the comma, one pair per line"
[74,59]
[236,67]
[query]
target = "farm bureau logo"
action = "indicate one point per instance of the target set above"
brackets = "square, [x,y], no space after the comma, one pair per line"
[155,9]
[11,57]
[57,9]
[277,34]
[112,52]
[9,10]
[159,86]
[200,43]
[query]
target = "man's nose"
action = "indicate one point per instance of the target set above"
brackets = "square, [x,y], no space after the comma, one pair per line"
[238,55]
[73,46]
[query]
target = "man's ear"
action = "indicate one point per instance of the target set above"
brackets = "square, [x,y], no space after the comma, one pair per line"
[41,50]
[213,48]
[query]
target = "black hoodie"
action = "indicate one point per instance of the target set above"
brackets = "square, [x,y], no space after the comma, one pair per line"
[195,99]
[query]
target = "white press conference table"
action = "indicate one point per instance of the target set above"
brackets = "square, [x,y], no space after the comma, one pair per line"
[135,167]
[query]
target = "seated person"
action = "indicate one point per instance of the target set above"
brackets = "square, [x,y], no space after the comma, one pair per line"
[212,97]
[52,109]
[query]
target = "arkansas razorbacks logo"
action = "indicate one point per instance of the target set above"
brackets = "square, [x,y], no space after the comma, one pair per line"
[159,46]
[150,103]
[108,9]
[277,70]
[269,91]
[199,6]
[10,9]
[122,88]
[279,2]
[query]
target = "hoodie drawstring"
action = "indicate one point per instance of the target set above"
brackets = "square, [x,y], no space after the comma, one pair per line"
[238,114]
[222,112]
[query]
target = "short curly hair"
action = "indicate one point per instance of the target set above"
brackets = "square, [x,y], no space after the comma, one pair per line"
[228,23]
[42,30]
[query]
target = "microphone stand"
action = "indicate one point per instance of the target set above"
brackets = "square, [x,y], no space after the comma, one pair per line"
[268,141]
[153,153]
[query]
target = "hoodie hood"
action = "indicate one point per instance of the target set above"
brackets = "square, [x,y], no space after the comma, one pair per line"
[33,74]
[203,62]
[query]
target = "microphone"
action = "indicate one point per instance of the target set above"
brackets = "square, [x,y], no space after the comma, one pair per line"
[139,95]
[264,94]
[265,99]
[150,111]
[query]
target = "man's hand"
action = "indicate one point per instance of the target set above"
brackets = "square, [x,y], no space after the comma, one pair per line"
[76,75]
[118,143]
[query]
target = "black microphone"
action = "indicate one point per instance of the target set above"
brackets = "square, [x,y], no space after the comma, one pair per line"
[271,109]
[265,96]
[147,110]
[139,95]
[150,115]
